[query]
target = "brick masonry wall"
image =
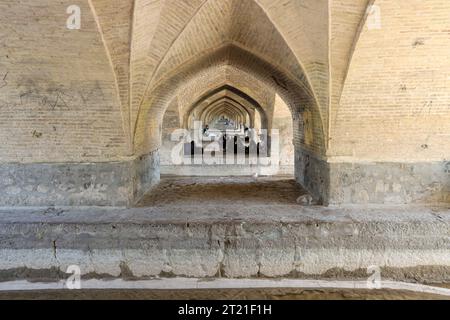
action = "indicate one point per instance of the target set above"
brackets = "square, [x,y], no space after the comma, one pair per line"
[58,100]
[395,105]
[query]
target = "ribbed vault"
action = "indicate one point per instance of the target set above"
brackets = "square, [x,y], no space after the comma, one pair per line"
[234,97]
[214,110]
[168,35]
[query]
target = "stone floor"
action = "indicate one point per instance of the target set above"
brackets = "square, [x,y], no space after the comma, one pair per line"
[219,191]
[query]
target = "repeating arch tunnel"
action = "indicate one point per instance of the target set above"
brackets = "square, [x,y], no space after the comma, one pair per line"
[191,48]
[297,95]
[219,55]
[222,72]
[138,68]
[224,109]
[233,99]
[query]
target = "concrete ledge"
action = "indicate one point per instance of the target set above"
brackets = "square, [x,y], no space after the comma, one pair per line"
[407,243]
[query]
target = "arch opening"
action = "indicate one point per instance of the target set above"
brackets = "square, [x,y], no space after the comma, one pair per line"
[232,84]
[247,90]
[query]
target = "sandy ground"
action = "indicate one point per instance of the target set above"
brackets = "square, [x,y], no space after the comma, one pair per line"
[222,191]
[235,294]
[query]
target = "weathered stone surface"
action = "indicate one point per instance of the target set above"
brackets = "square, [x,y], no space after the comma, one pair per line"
[65,184]
[291,241]
[78,184]
[376,183]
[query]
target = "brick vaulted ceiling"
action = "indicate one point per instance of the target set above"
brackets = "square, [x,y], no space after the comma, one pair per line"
[147,39]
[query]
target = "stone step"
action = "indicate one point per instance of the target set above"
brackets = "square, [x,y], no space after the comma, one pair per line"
[405,243]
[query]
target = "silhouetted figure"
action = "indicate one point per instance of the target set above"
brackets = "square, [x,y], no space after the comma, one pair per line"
[224,143]
[247,145]
[192,148]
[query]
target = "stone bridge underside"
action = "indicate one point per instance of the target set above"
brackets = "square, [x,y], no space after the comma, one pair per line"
[366,86]
[81,110]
